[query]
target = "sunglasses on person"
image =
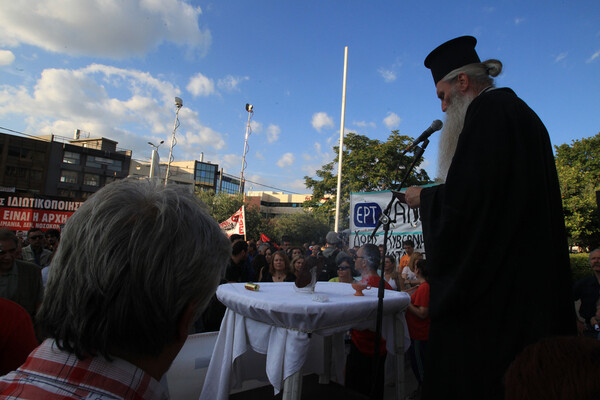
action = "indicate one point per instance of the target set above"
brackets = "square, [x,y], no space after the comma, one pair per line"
[342,268]
[36,237]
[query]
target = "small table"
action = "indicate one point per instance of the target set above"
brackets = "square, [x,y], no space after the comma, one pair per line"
[278,321]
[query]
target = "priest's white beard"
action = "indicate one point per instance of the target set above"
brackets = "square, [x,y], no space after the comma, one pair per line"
[453,125]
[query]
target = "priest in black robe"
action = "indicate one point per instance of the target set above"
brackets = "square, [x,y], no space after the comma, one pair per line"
[494,231]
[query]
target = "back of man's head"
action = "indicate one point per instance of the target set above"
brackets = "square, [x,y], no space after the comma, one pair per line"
[371,256]
[238,247]
[132,260]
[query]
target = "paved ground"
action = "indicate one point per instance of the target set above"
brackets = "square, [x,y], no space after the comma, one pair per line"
[312,390]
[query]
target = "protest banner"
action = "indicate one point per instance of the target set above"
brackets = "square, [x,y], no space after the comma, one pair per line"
[236,224]
[365,209]
[23,212]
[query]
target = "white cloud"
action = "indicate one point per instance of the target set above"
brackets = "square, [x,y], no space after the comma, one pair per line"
[321,120]
[392,120]
[6,57]
[256,126]
[364,124]
[63,100]
[103,28]
[200,85]
[298,184]
[231,83]
[286,160]
[259,155]
[388,75]
[561,57]
[231,162]
[273,132]
[519,20]
[593,57]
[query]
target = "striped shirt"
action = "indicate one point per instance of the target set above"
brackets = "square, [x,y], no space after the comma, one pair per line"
[50,373]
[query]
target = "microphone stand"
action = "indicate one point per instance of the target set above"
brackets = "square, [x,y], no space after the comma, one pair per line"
[385,220]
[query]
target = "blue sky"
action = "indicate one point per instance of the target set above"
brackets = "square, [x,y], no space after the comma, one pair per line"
[113,67]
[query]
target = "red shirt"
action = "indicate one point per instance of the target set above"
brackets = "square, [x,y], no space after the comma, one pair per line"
[365,340]
[419,327]
[17,338]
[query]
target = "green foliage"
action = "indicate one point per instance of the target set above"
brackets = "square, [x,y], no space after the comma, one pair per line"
[300,227]
[222,206]
[580,266]
[578,167]
[367,165]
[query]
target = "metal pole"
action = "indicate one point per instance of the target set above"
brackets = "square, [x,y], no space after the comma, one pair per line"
[341,146]
[173,141]
[249,108]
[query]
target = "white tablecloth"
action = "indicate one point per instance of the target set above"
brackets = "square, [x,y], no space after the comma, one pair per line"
[277,321]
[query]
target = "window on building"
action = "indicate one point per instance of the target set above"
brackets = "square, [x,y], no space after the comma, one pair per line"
[92,162]
[115,165]
[35,175]
[91,179]
[67,193]
[71,158]
[205,174]
[16,172]
[68,176]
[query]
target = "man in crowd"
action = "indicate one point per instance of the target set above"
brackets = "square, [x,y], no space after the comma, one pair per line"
[136,262]
[237,269]
[20,281]
[331,250]
[504,288]
[588,291]
[409,248]
[35,252]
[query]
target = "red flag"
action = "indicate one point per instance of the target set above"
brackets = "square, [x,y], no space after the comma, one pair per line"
[265,239]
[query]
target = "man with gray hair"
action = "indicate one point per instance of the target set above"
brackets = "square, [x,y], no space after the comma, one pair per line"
[136,263]
[505,287]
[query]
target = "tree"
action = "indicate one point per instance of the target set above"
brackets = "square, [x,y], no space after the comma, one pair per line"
[367,165]
[301,227]
[578,167]
[222,206]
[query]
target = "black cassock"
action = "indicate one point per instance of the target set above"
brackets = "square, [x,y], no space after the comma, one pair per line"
[496,250]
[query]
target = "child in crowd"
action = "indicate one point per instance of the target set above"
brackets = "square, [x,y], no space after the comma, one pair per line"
[417,319]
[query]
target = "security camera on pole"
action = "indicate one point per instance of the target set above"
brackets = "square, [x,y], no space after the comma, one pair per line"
[178,104]
[250,109]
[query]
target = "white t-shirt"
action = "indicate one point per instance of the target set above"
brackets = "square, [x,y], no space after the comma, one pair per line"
[409,274]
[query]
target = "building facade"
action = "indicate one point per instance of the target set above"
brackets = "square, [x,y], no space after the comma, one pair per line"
[48,165]
[198,175]
[272,204]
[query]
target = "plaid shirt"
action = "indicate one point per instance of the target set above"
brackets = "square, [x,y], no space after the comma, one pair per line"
[50,373]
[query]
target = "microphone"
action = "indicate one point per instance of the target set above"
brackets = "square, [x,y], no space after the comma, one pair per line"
[435,126]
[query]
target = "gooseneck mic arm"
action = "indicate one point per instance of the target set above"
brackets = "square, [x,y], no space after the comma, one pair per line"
[435,126]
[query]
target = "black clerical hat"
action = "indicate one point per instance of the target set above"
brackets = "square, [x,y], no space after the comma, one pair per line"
[453,54]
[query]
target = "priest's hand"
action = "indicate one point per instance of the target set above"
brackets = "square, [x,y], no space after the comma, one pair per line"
[413,196]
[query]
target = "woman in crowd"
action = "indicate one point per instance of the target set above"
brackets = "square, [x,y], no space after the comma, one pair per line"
[344,271]
[408,273]
[391,275]
[295,252]
[297,263]
[279,269]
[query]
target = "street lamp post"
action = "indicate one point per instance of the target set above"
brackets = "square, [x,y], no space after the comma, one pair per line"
[155,161]
[178,104]
[250,109]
